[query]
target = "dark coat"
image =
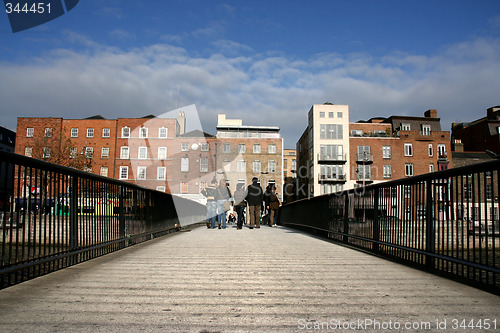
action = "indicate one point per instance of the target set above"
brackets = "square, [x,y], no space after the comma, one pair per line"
[254,194]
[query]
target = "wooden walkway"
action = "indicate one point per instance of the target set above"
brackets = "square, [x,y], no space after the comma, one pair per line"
[260,280]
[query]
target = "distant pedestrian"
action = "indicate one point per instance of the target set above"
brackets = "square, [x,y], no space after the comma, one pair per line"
[274,205]
[222,196]
[267,194]
[240,204]
[254,199]
[209,193]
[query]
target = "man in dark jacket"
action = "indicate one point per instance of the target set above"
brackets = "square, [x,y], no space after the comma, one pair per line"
[254,200]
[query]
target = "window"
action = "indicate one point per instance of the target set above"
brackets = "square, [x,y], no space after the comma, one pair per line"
[46,152]
[106,132]
[272,148]
[364,153]
[339,114]
[386,152]
[203,185]
[468,191]
[141,172]
[256,148]
[364,172]
[489,192]
[241,166]
[356,132]
[104,171]
[184,187]
[204,164]
[408,169]
[89,152]
[161,188]
[441,150]
[331,152]
[90,132]
[387,171]
[330,114]
[48,132]
[125,132]
[204,147]
[143,153]
[426,129]
[256,166]
[162,153]
[226,165]
[331,131]
[124,152]
[431,167]
[271,166]
[431,151]
[104,152]
[184,146]
[163,132]
[30,131]
[322,115]
[72,152]
[28,151]
[408,149]
[74,132]
[405,127]
[143,132]
[124,172]
[226,148]
[241,148]
[184,164]
[161,173]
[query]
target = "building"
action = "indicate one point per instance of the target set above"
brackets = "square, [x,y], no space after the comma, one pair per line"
[289,175]
[480,135]
[334,154]
[323,151]
[244,151]
[7,140]
[136,150]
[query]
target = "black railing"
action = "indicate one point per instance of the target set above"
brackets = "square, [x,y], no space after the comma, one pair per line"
[447,221]
[52,217]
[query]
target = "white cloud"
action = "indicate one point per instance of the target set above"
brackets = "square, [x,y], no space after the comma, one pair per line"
[461,82]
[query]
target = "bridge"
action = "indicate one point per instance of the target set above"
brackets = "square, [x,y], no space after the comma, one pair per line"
[81,252]
[260,280]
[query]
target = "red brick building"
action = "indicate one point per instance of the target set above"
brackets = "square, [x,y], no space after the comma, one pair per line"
[396,147]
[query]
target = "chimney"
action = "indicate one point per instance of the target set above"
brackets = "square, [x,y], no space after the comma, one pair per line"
[431,113]
[492,113]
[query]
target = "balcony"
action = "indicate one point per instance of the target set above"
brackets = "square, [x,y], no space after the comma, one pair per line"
[364,158]
[335,158]
[335,178]
[365,178]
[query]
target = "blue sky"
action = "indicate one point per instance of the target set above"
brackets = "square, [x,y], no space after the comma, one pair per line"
[266,62]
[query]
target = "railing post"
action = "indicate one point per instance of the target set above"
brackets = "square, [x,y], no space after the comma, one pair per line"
[430,244]
[121,216]
[345,238]
[376,226]
[73,217]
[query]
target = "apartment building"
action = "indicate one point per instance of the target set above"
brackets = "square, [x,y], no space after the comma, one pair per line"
[323,151]
[245,151]
[130,149]
[334,154]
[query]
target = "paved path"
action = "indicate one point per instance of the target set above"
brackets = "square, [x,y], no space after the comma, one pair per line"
[261,280]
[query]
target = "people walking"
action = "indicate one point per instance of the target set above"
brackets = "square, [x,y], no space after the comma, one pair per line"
[209,193]
[274,205]
[222,196]
[254,199]
[240,204]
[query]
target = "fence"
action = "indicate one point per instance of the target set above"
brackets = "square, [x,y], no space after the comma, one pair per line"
[52,217]
[447,221]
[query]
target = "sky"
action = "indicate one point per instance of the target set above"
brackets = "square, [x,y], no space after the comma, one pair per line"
[265,62]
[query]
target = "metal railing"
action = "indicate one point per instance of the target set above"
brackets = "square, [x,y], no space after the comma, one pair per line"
[446,222]
[52,217]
